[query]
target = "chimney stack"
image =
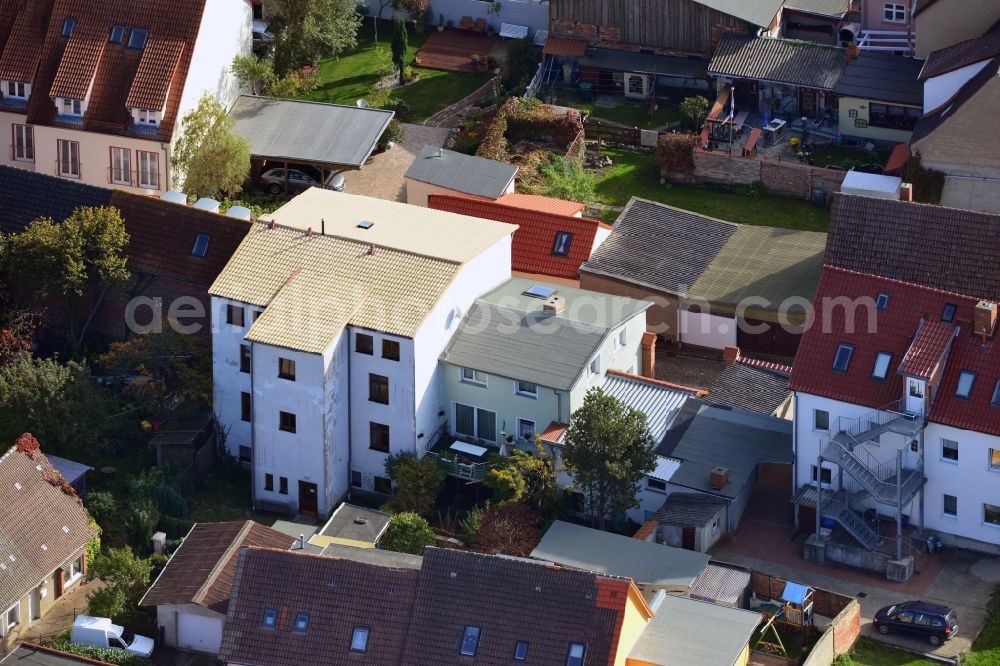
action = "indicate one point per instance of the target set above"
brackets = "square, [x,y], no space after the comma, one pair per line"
[730,355]
[985,318]
[649,355]
[718,478]
[852,52]
[906,192]
[554,305]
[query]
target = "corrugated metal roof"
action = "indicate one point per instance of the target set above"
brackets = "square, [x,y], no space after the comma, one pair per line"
[758,12]
[694,633]
[825,7]
[460,172]
[719,584]
[778,60]
[659,246]
[883,77]
[750,387]
[659,403]
[507,333]
[309,131]
[688,509]
[601,552]
[704,436]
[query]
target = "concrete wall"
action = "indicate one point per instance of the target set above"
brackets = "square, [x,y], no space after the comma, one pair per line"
[661,318]
[839,637]
[225,33]
[949,22]
[531,13]
[613,357]
[861,107]
[707,330]
[227,380]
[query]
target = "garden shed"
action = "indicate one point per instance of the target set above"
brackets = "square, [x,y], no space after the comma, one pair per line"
[189,444]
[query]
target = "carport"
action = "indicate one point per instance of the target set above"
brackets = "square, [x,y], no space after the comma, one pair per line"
[331,138]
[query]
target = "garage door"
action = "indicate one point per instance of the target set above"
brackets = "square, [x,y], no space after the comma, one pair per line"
[198,632]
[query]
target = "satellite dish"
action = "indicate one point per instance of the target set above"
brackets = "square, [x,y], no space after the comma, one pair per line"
[362,104]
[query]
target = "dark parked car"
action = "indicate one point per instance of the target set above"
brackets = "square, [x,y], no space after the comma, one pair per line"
[935,622]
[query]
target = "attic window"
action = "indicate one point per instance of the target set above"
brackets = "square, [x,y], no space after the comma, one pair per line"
[470,641]
[365,224]
[538,291]
[575,655]
[521,651]
[882,302]
[68,26]
[882,362]
[359,639]
[301,623]
[842,359]
[200,245]
[270,618]
[137,39]
[964,388]
[117,34]
[563,240]
[949,313]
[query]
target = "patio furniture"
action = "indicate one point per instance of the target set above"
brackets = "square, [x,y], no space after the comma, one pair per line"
[513,31]
[465,23]
[479,25]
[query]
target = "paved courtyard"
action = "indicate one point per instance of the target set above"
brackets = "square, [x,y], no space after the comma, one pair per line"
[961,579]
[382,176]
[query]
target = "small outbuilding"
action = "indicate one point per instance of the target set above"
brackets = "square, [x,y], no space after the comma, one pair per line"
[187,445]
[352,525]
[75,473]
[439,171]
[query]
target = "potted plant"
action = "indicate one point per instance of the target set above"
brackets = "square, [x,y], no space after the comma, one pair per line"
[441,22]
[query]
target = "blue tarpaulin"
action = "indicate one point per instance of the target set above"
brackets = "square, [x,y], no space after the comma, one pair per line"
[795,593]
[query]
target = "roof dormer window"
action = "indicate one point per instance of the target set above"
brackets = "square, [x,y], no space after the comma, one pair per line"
[68,26]
[71,107]
[137,39]
[147,117]
[16,90]
[117,34]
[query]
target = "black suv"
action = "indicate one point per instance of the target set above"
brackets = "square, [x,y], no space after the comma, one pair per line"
[936,622]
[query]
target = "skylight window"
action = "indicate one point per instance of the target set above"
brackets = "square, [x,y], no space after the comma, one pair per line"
[949,312]
[995,400]
[68,26]
[137,39]
[882,302]
[538,291]
[521,651]
[575,655]
[882,365]
[365,224]
[117,34]
[302,623]
[270,618]
[842,360]
[470,641]
[200,245]
[359,639]
[964,388]
[561,246]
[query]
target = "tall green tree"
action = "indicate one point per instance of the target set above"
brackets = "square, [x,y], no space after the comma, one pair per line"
[609,451]
[210,157]
[125,576]
[399,44]
[417,481]
[312,29]
[526,478]
[407,533]
[696,109]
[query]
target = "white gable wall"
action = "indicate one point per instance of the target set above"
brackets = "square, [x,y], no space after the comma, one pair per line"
[225,33]
[940,89]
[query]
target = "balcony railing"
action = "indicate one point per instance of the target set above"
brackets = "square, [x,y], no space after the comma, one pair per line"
[471,471]
[78,166]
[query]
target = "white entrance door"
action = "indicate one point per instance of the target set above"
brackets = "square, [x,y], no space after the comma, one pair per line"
[198,632]
[915,395]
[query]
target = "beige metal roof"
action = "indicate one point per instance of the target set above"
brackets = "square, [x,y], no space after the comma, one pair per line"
[312,285]
[396,225]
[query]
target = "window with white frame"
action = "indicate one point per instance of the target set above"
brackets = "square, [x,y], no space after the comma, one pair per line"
[950,506]
[149,169]
[74,571]
[595,365]
[949,450]
[826,475]
[24,143]
[526,389]
[475,422]
[147,117]
[474,376]
[121,166]
[991,514]
[69,158]
[12,617]
[821,420]
[16,89]
[525,429]
[71,107]
[620,339]
[893,13]
[995,460]
[656,485]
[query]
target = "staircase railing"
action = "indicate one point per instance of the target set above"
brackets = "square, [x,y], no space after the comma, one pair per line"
[875,476]
[835,507]
[856,426]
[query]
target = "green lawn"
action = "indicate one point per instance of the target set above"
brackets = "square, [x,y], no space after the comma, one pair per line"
[637,174]
[348,78]
[868,652]
[986,648]
[847,157]
[630,114]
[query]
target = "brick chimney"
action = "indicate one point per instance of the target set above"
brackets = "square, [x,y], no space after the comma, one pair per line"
[852,52]
[718,478]
[906,192]
[649,355]
[730,355]
[985,318]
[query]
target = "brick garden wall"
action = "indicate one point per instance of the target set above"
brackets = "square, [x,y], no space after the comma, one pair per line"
[790,179]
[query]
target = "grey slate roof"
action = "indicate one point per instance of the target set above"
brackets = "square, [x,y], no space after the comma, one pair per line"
[309,131]
[70,469]
[382,558]
[506,333]
[758,12]
[688,509]
[460,172]
[27,654]
[748,387]
[659,403]
[660,247]
[356,523]
[695,633]
[778,60]
[601,552]
[705,436]
[824,7]
[26,195]
[883,77]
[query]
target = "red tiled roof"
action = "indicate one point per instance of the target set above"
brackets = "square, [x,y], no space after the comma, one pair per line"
[553,432]
[541,204]
[564,46]
[765,365]
[158,63]
[531,251]
[65,66]
[21,45]
[77,66]
[927,348]
[898,158]
[895,330]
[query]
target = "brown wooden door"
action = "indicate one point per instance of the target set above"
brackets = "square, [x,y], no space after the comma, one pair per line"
[308,498]
[687,538]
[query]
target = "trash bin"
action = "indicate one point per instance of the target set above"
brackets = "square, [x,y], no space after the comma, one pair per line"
[586,91]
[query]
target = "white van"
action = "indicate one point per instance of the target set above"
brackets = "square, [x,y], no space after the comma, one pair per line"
[100,632]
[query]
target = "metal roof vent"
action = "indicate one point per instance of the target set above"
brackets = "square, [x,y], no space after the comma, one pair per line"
[207,203]
[240,213]
[360,520]
[365,224]
[173,196]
